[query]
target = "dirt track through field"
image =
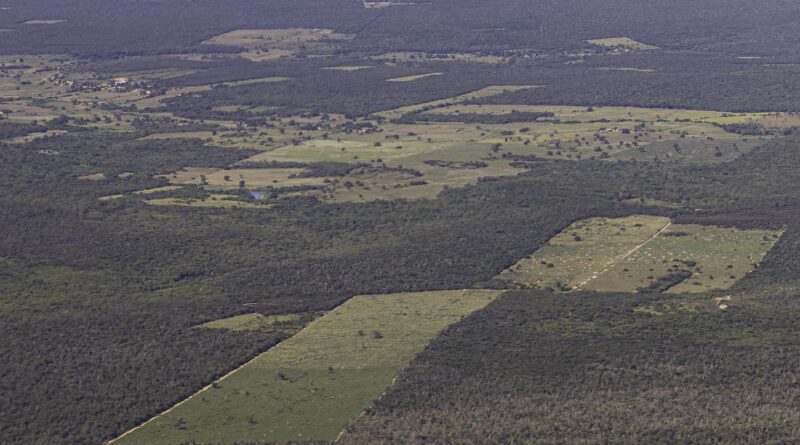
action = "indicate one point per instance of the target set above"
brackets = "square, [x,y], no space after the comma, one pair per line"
[611,263]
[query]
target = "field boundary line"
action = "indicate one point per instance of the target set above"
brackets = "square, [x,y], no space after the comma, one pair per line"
[622,257]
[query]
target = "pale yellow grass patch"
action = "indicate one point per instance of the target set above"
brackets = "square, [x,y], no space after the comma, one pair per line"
[624,42]
[222,201]
[93,177]
[43,22]
[249,322]
[348,68]
[413,78]
[188,175]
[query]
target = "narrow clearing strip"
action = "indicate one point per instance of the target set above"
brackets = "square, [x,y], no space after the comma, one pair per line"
[611,263]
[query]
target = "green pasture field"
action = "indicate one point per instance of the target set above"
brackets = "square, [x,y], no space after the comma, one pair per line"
[624,42]
[573,133]
[619,132]
[483,92]
[214,200]
[268,44]
[413,78]
[43,22]
[722,256]
[627,254]
[623,114]
[310,386]
[583,251]
[405,57]
[260,177]
[250,322]
[348,67]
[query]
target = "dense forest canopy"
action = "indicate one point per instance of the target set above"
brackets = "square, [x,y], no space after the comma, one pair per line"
[130,26]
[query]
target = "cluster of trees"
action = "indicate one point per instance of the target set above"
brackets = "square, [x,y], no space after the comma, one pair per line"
[666,80]
[128,27]
[353,93]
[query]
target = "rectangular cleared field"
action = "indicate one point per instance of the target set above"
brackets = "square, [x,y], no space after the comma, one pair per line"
[413,78]
[716,256]
[217,201]
[250,322]
[624,42]
[584,250]
[310,386]
[643,253]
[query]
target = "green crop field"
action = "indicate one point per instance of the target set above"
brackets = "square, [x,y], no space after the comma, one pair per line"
[310,386]
[629,254]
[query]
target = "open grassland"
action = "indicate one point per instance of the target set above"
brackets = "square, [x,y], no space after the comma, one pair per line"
[43,22]
[478,94]
[413,78]
[214,200]
[448,153]
[470,151]
[252,177]
[643,253]
[250,322]
[348,67]
[621,42]
[716,256]
[34,136]
[417,57]
[584,250]
[616,132]
[268,44]
[613,114]
[627,69]
[310,386]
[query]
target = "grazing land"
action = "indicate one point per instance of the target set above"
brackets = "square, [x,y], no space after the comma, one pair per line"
[268,44]
[644,254]
[413,78]
[310,386]
[621,42]
[250,322]
[717,258]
